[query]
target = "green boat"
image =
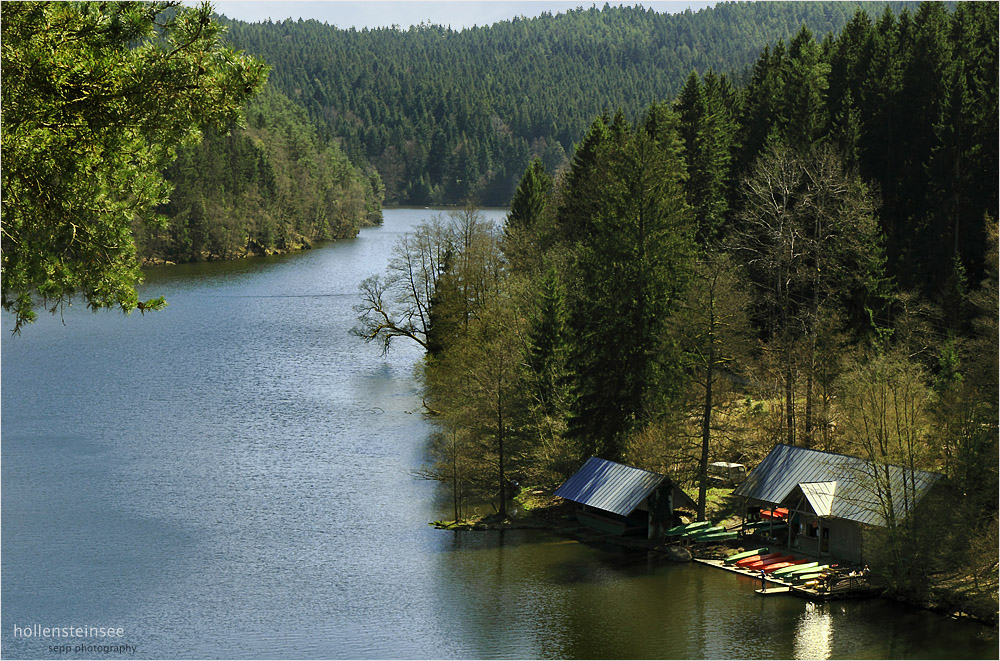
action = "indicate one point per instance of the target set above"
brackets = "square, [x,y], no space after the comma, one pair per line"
[809,568]
[795,568]
[677,530]
[745,554]
[702,531]
[762,524]
[805,578]
[716,536]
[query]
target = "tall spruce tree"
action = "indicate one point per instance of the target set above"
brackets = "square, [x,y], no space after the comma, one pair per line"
[530,198]
[804,113]
[705,130]
[628,267]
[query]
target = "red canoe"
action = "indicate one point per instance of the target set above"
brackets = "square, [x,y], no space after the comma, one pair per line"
[756,558]
[764,564]
[776,513]
[778,565]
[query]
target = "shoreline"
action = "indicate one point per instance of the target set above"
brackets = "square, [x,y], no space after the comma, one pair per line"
[558,519]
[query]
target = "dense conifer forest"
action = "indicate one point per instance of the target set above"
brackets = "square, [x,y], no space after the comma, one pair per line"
[273,186]
[445,115]
[806,254]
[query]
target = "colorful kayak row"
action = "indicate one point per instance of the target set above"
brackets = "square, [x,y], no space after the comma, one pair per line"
[772,562]
[784,567]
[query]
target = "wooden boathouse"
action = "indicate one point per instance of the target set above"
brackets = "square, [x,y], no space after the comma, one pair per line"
[620,499]
[830,498]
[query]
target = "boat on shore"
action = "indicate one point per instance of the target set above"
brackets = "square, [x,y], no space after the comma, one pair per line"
[745,554]
[798,567]
[745,562]
[765,563]
[678,530]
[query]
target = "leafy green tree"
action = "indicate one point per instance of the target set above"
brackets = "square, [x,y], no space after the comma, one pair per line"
[579,193]
[886,421]
[548,377]
[487,359]
[96,99]
[761,106]
[529,232]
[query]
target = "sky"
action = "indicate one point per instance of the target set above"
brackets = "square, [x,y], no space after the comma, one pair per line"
[457,14]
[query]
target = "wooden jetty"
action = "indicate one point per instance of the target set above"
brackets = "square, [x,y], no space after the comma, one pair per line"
[775,585]
[776,590]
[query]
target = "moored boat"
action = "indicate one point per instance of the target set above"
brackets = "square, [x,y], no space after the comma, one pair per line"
[778,566]
[756,558]
[763,564]
[745,554]
[776,513]
[805,579]
[797,567]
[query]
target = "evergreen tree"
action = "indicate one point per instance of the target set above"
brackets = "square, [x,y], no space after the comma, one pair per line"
[627,269]
[804,92]
[705,129]
[530,199]
[97,97]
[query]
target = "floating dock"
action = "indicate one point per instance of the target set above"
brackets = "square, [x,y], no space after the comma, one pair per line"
[774,585]
[767,591]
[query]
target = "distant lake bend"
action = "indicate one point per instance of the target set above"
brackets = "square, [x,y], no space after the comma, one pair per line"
[231,477]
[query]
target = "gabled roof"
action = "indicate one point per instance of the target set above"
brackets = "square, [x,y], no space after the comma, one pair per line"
[820,496]
[613,487]
[835,485]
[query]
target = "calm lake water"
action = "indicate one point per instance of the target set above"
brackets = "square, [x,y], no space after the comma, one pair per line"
[232,477]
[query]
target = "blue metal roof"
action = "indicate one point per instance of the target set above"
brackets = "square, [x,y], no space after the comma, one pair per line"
[855,495]
[610,486]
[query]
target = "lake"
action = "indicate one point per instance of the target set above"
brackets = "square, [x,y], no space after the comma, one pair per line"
[232,476]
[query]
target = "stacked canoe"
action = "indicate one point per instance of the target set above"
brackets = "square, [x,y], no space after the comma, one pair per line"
[745,554]
[702,531]
[688,528]
[787,568]
[778,513]
[777,563]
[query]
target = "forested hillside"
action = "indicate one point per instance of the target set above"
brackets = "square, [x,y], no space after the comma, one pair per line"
[445,114]
[274,186]
[808,257]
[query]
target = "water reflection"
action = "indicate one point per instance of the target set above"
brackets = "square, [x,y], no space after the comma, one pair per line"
[814,632]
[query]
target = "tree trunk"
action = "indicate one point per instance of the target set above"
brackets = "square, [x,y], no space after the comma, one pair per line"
[808,431]
[503,479]
[790,402]
[706,432]
[454,476]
